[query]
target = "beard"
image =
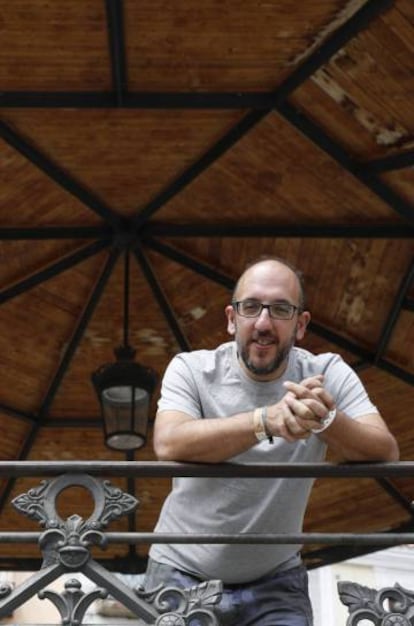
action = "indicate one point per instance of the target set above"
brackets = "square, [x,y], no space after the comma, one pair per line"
[262,370]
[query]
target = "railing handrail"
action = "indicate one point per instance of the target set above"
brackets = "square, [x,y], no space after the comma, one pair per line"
[13,469]
[133,538]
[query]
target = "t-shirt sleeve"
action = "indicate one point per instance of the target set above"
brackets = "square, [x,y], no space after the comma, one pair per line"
[178,389]
[348,390]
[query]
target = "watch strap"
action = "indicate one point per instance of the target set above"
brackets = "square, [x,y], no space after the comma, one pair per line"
[326,421]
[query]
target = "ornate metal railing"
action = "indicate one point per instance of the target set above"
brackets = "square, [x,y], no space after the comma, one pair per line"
[390,606]
[66,544]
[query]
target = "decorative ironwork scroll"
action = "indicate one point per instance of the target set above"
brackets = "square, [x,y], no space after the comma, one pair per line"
[390,606]
[190,603]
[65,547]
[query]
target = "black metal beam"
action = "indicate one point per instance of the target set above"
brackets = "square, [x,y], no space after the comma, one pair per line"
[394,313]
[198,167]
[387,366]
[368,357]
[23,454]
[162,299]
[396,371]
[52,270]
[396,495]
[235,100]
[79,331]
[335,42]
[64,364]
[183,259]
[247,231]
[59,176]
[17,413]
[315,134]
[326,333]
[115,21]
[137,100]
[316,60]
[329,555]
[54,232]
[390,163]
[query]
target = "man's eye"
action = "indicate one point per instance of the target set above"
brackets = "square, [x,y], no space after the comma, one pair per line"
[250,307]
[281,309]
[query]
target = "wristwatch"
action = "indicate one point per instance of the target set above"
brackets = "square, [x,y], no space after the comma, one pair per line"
[326,421]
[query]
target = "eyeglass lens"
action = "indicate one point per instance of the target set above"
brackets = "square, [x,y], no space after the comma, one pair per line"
[277,310]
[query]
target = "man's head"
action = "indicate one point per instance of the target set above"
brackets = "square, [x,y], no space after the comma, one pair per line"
[265,339]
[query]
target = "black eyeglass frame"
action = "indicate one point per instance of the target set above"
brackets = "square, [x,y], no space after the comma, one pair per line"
[293,308]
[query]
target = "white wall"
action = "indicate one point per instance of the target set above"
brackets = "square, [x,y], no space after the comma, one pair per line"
[376,570]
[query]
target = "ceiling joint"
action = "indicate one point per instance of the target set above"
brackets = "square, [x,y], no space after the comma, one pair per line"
[394,313]
[57,174]
[316,60]
[79,332]
[273,230]
[317,136]
[52,270]
[389,163]
[162,300]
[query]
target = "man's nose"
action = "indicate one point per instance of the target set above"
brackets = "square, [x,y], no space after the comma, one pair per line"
[263,320]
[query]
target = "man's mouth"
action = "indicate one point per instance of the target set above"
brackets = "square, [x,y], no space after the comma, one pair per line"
[264,341]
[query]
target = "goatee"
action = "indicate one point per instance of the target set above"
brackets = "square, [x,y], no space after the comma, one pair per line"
[262,370]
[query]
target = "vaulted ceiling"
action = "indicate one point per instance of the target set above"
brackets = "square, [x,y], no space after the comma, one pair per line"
[194,137]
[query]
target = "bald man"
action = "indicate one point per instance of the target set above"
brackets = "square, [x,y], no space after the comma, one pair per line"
[256,399]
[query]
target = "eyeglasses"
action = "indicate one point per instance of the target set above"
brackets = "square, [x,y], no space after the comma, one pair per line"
[277,310]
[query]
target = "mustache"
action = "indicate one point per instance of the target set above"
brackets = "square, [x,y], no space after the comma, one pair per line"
[264,334]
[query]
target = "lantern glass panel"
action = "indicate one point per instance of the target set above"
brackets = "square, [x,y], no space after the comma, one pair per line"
[125,410]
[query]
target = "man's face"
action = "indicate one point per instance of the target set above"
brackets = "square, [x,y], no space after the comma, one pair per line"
[264,343]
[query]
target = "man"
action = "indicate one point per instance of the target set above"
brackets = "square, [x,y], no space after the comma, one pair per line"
[256,399]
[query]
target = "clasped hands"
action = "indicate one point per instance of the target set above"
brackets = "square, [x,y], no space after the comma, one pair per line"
[300,410]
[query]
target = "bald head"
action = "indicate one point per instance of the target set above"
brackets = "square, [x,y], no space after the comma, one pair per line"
[269,273]
[264,340]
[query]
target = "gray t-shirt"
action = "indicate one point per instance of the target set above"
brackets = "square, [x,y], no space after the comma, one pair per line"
[211,383]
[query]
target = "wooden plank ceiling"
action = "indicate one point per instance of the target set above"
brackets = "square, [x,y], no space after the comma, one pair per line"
[199,136]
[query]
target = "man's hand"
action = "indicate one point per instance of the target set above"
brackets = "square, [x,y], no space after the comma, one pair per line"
[300,410]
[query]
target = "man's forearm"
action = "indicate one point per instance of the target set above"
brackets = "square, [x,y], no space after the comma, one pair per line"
[367,439]
[209,440]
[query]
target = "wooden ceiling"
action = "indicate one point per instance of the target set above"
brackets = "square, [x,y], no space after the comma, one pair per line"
[198,136]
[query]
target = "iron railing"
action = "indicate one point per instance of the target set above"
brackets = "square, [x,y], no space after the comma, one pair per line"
[66,544]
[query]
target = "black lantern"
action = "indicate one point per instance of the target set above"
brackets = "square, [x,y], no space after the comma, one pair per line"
[124,390]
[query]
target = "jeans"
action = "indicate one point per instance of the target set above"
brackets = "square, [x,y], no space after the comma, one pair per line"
[280,599]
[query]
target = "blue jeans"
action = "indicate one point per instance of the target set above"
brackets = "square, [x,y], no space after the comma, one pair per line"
[280,599]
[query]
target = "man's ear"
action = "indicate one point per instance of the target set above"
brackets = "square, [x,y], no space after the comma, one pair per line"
[303,321]
[231,316]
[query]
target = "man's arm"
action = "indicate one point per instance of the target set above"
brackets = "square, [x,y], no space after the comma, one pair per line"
[181,437]
[365,438]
